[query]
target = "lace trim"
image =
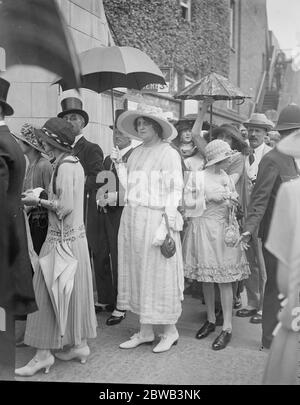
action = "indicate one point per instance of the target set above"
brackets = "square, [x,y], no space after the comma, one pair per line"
[70,234]
[218,274]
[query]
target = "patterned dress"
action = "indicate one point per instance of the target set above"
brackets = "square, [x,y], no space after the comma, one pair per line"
[42,329]
[149,284]
[206,256]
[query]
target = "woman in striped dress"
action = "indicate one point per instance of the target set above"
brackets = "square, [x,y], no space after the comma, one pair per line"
[150,284]
[65,205]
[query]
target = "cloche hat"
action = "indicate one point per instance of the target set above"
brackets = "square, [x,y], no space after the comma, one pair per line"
[216,151]
[29,135]
[58,133]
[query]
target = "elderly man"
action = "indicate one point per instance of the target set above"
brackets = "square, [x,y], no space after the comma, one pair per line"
[90,156]
[257,127]
[274,169]
[110,207]
[16,289]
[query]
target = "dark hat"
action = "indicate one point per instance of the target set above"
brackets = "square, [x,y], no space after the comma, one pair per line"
[185,122]
[71,105]
[4,86]
[59,133]
[117,115]
[231,131]
[289,118]
[28,134]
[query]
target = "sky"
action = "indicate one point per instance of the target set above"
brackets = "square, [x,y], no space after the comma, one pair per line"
[284,21]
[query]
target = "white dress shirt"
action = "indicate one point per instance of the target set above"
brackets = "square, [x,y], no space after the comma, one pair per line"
[258,154]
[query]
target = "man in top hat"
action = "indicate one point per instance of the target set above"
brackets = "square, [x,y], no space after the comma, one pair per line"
[90,156]
[16,289]
[110,207]
[258,126]
[274,169]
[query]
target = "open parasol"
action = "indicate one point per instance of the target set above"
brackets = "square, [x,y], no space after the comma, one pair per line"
[214,86]
[59,268]
[34,32]
[106,68]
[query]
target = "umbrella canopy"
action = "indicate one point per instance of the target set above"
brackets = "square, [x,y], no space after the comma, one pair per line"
[33,32]
[213,85]
[105,68]
[59,268]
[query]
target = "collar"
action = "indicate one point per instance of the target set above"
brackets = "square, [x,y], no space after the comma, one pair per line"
[125,150]
[77,139]
[2,123]
[260,148]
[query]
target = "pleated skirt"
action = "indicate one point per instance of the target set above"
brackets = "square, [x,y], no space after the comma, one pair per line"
[149,284]
[42,329]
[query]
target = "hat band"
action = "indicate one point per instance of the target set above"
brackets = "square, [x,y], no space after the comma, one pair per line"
[56,138]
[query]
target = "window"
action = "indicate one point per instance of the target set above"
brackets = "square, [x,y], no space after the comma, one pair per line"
[232,24]
[233,105]
[186,9]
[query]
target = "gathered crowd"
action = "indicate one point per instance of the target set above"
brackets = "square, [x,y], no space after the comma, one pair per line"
[192,206]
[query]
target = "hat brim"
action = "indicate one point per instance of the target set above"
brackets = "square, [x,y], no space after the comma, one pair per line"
[7,109]
[286,127]
[126,121]
[220,158]
[23,139]
[258,125]
[75,111]
[41,134]
[290,145]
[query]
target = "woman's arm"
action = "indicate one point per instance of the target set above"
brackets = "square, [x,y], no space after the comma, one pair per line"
[199,141]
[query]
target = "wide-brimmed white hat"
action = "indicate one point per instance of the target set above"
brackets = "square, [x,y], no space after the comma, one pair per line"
[216,151]
[260,121]
[290,145]
[126,121]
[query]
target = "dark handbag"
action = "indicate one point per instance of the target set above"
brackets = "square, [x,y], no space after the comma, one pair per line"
[168,248]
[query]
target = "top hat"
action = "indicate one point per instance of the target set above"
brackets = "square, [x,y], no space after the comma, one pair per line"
[289,118]
[71,105]
[4,86]
[58,133]
[216,151]
[29,135]
[127,119]
[117,115]
[260,121]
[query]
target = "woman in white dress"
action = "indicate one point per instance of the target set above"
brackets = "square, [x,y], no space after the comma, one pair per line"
[150,284]
[206,256]
[65,205]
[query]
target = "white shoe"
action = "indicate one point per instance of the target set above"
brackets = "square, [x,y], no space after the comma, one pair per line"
[34,366]
[166,342]
[136,340]
[81,353]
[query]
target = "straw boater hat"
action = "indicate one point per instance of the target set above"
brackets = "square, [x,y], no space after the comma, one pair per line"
[260,121]
[4,86]
[126,121]
[216,151]
[117,115]
[71,105]
[289,118]
[29,135]
[58,133]
[290,145]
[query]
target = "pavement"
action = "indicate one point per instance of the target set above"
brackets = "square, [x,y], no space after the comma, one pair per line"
[190,362]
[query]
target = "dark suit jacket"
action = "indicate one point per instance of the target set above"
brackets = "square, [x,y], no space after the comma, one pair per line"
[274,169]
[108,165]
[90,156]
[16,289]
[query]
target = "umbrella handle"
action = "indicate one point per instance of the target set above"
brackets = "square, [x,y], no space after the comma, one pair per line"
[210,124]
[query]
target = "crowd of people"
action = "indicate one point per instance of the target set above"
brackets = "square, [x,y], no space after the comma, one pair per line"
[187,205]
